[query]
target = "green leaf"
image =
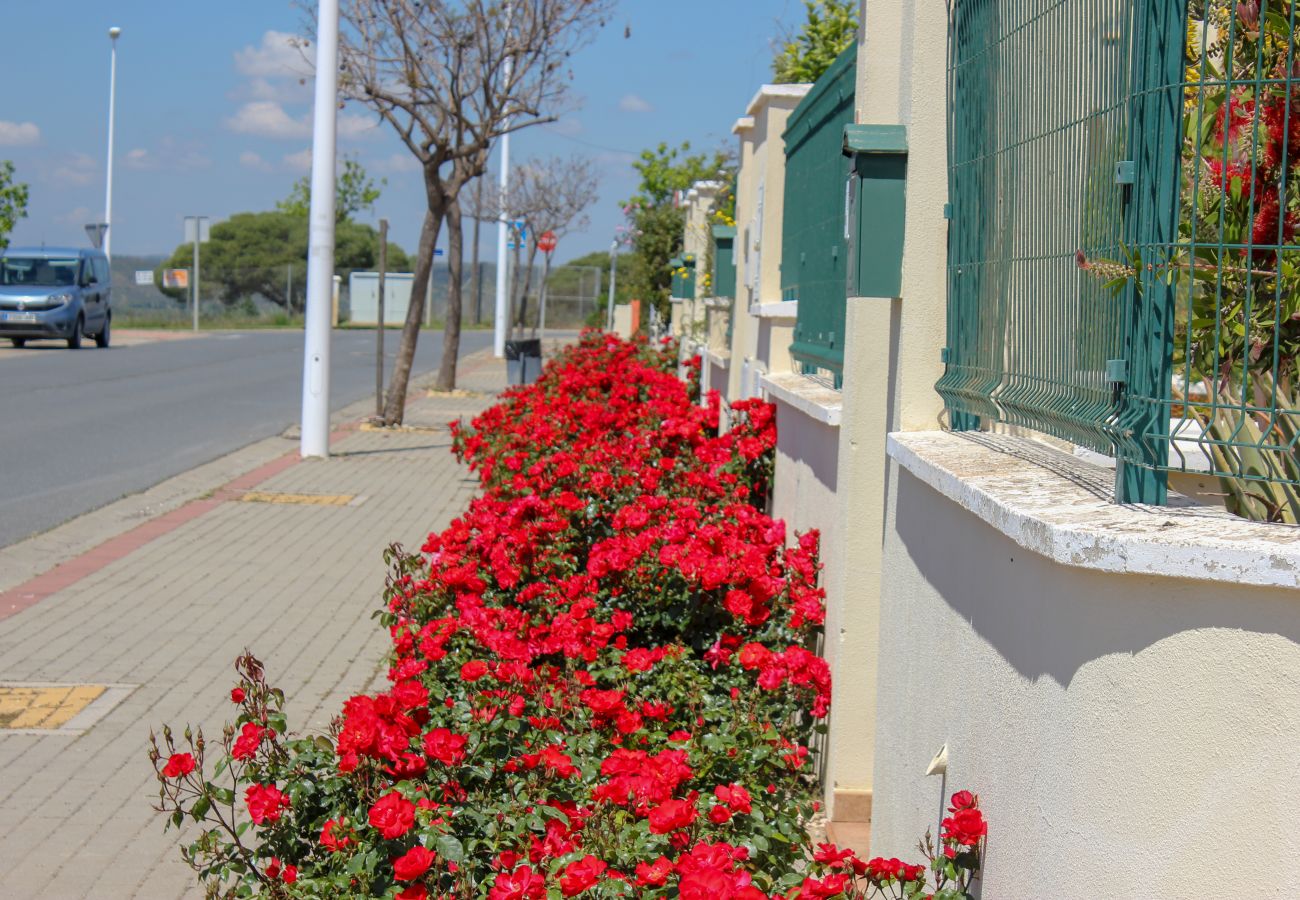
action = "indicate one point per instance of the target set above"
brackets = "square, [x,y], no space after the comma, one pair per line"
[449,848]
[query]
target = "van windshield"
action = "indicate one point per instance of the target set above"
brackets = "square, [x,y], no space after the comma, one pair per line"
[37,271]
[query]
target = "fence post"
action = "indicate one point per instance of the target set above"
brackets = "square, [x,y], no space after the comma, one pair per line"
[1151,228]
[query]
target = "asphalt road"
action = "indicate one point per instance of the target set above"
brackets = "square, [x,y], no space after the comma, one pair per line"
[79,429]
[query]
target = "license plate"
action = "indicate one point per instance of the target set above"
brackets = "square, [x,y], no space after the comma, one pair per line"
[17,317]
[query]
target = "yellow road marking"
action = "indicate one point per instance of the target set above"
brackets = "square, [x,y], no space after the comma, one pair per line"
[44,707]
[301,499]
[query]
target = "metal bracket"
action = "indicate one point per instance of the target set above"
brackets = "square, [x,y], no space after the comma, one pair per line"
[947,211]
[1125,171]
[1117,371]
[944,354]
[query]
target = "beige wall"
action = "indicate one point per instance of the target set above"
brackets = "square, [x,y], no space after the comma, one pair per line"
[892,352]
[1130,736]
[760,196]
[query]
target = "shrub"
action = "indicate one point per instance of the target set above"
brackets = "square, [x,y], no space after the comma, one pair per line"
[600,681]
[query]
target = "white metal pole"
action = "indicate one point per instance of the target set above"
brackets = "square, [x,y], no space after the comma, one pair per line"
[320,253]
[613,275]
[113,34]
[500,326]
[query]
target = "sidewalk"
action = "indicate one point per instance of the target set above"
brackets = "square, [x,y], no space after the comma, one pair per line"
[185,582]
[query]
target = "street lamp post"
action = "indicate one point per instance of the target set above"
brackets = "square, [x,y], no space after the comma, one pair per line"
[113,34]
[315,439]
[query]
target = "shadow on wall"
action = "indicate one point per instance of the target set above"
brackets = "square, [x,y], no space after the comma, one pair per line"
[1047,619]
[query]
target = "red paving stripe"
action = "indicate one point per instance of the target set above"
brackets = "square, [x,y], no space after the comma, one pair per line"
[66,574]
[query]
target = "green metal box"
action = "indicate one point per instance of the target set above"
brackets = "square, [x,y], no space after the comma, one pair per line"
[724,261]
[875,211]
[683,287]
[813,251]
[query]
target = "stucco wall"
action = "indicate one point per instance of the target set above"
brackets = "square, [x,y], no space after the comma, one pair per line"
[1131,736]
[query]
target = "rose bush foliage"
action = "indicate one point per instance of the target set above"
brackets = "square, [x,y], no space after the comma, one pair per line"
[600,682]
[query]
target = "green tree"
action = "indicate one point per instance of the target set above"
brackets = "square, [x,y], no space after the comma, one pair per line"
[656,223]
[355,192]
[13,202]
[265,254]
[831,26]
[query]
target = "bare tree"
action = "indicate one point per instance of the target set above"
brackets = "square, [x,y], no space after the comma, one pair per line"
[545,195]
[450,77]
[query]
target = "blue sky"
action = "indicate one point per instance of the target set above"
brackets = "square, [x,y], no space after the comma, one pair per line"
[210,121]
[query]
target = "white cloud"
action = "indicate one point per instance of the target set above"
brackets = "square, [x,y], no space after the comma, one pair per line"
[139,158]
[401,161]
[278,56]
[18,134]
[171,155]
[251,160]
[267,118]
[79,216]
[77,170]
[633,103]
[300,161]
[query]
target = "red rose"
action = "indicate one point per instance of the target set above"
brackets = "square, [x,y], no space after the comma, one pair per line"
[473,670]
[965,827]
[654,874]
[178,765]
[237,695]
[290,874]
[330,838]
[414,892]
[265,802]
[962,800]
[250,737]
[414,863]
[719,815]
[580,875]
[444,746]
[672,815]
[393,815]
[521,884]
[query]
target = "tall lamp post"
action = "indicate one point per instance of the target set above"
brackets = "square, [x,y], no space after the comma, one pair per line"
[315,439]
[113,34]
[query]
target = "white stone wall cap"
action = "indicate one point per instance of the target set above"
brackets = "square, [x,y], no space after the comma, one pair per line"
[719,357]
[769,92]
[744,123]
[775,309]
[1061,507]
[812,398]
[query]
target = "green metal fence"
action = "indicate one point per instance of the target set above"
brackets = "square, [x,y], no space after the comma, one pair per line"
[812,233]
[1123,271]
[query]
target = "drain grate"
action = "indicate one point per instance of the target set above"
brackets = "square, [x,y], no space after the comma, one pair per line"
[45,708]
[301,499]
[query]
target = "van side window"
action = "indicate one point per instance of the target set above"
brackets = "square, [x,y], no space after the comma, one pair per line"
[102,274]
[87,271]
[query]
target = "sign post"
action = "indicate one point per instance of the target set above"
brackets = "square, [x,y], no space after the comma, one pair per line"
[546,243]
[196,232]
[379,330]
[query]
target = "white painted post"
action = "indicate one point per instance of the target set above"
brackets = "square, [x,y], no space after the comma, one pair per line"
[320,252]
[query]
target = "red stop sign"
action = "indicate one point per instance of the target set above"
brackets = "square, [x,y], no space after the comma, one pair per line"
[546,243]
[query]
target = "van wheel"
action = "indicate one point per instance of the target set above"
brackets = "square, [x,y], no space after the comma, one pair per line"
[101,339]
[20,343]
[74,339]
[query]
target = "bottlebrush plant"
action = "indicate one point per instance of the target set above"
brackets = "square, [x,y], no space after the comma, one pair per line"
[600,683]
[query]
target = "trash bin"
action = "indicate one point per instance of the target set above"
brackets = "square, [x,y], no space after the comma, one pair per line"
[523,361]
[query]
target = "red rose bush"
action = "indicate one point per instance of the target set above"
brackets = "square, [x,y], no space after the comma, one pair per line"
[600,683]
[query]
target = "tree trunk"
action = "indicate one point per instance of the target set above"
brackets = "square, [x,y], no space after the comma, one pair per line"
[395,407]
[526,285]
[451,330]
